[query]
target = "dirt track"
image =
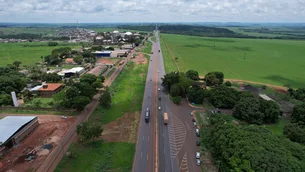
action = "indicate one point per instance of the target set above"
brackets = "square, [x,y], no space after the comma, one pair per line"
[279,88]
[50,130]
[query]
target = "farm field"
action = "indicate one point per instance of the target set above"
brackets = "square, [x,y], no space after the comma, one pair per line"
[278,62]
[28,53]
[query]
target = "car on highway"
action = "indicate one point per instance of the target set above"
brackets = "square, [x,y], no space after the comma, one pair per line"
[158,71]
[147,115]
[197,155]
[159,50]
[198,143]
[159,89]
[193,120]
[197,132]
[159,98]
[63,117]
[198,162]
[159,108]
[195,124]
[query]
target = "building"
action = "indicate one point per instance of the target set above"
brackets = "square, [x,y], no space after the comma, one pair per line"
[69,61]
[14,129]
[66,73]
[127,47]
[120,53]
[100,54]
[47,90]
[265,97]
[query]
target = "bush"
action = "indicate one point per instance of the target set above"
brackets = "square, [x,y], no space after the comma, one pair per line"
[52,43]
[228,83]
[177,99]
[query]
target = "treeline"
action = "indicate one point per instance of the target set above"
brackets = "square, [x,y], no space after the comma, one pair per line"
[201,31]
[252,148]
[31,36]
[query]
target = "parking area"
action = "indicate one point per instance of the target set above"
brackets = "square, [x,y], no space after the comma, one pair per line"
[182,137]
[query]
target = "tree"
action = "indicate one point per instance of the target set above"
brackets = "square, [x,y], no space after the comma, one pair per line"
[80,102]
[52,43]
[89,78]
[298,114]
[256,111]
[177,99]
[97,84]
[105,99]
[223,97]
[78,59]
[5,99]
[51,77]
[214,78]
[192,74]
[71,93]
[175,90]
[228,83]
[295,133]
[85,89]
[248,109]
[101,78]
[169,79]
[87,132]
[184,84]
[17,64]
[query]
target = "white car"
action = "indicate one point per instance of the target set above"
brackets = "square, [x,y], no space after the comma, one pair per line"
[159,108]
[159,89]
[197,155]
[195,124]
[198,162]
[63,117]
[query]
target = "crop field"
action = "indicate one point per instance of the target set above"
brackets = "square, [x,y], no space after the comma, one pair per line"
[278,62]
[28,53]
[18,30]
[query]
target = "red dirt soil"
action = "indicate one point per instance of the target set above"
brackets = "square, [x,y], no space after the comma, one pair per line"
[49,131]
[140,59]
[104,61]
[123,129]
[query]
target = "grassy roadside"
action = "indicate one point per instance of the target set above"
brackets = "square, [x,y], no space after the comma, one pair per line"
[147,47]
[99,156]
[111,71]
[153,38]
[169,63]
[127,91]
[39,112]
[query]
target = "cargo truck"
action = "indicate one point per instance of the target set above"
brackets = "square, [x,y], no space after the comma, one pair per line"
[165,118]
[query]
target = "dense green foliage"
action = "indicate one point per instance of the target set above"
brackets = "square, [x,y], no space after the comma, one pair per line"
[193,75]
[256,111]
[245,59]
[252,148]
[214,78]
[298,94]
[52,43]
[223,97]
[58,55]
[10,80]
[87,132]
[298,114]
[105,99]
[295,133]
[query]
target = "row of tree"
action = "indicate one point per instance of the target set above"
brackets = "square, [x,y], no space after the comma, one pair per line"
[252,148]
[10,80]
[298,94]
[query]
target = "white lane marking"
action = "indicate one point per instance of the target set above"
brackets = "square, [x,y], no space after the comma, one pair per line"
[143,137]
[147,157]
[141,155]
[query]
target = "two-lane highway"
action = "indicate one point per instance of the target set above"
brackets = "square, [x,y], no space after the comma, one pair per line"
[145,150]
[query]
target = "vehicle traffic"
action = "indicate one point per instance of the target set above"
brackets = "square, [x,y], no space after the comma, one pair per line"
[165,117]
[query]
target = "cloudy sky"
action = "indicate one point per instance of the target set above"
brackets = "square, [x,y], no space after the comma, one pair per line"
[99,11]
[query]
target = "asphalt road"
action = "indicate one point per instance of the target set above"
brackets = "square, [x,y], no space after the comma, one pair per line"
[145,151]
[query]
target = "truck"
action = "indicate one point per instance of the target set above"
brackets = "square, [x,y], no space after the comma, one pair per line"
[165,116]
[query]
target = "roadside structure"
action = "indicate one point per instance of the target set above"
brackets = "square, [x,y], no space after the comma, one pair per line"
[71,72]
[47,90]
[14,129]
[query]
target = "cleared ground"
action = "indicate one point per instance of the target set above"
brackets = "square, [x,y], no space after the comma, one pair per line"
[43,139]
[28,53]
[278,62]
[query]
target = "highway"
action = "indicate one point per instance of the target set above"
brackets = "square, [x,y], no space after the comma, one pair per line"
[144,160]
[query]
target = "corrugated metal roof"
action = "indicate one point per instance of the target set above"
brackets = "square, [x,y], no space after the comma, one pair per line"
[36,88]
[10,124]
[265,97]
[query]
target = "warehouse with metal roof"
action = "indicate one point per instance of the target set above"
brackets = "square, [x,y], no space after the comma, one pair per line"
[14,129]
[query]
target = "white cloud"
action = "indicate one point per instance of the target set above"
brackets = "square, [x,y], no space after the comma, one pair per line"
[152,10]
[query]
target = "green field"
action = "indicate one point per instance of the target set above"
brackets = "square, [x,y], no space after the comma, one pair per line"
[99,156]
[27,53]
[18,30]
[278,62]
[113,29]
[127,91]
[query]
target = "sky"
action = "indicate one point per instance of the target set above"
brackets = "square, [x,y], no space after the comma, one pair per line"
[104,11]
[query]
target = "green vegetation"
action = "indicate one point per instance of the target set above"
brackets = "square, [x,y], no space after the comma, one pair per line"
[124,98]
[147,47]
[260,60]
[169,61]
[153,38]
[98,156]
[39,103]
[278,127]
[19,30]
[39,112]
[28,53]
